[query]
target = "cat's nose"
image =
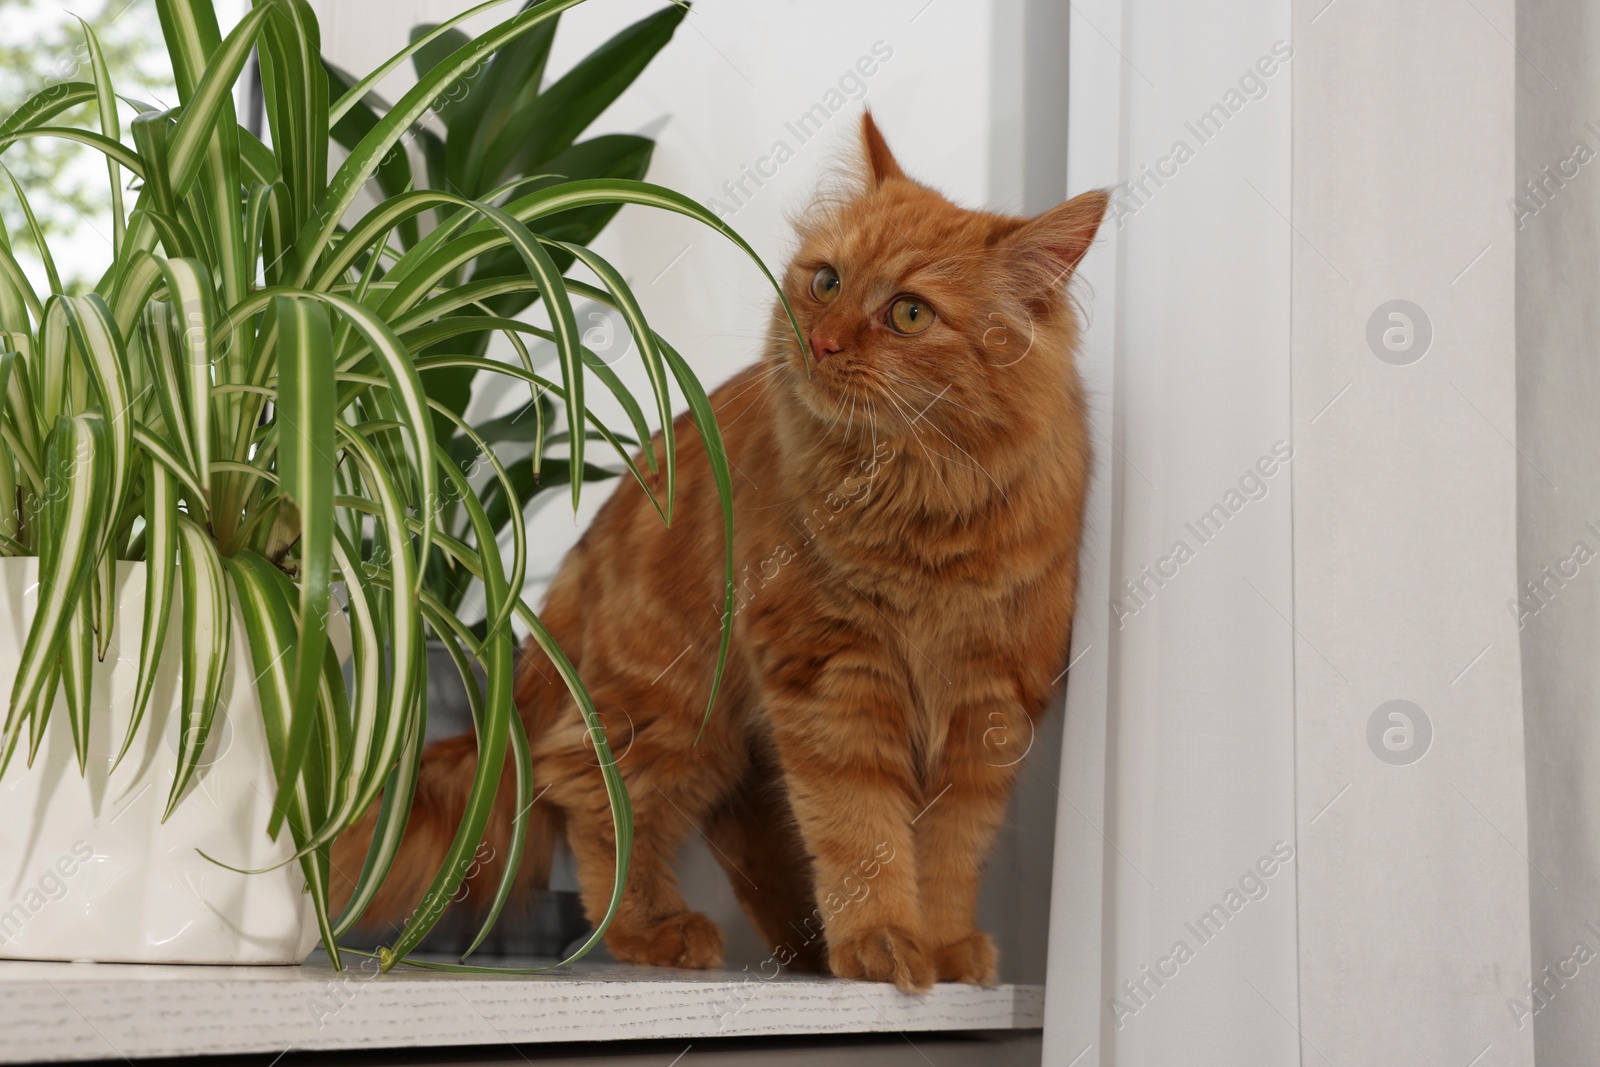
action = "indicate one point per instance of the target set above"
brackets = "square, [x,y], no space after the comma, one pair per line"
[822,345]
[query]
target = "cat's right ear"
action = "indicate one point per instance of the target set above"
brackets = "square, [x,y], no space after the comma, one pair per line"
[881,164]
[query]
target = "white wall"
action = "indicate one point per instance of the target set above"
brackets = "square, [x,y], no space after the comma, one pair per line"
[950,100]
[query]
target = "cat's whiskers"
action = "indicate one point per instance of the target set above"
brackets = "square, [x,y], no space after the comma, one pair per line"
[869,417]
[838,413]
[934,426]
[763,381]
[824,438]
[910,419]
[942,395]
[933,463]
[764,377]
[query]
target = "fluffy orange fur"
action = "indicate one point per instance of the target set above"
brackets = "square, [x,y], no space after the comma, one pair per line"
[908,510]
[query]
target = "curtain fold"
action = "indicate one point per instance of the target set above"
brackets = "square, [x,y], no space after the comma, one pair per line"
[1295,815]
[1185,688]
[1554,210]
[1412,808]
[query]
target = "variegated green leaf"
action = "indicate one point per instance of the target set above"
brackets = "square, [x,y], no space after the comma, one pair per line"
[77,671]
[17,299]
[393,814]
[161,571]
[616,789]
[152,134]
[10,504]
[190,296]
[140,279]
[172,463]
[523,798]
[306,463]
[211,99]
[37,232]
[403,624]
[499,713]
[423,267]
[265,605]
[106,100]
[19,430]
[270,229]
[78,488]
[100,346]
[295,91]
[158,334]
[705,421]
[51,367]
[103,601]
[207,632]
[368,711]
[269,623]
[116,150]
[649,353]
[40,720]
[47,103]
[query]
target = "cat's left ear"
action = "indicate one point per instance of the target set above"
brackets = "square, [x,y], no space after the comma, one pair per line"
[1049,247]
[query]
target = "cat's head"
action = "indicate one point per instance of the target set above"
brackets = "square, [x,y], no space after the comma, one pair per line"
[916,308]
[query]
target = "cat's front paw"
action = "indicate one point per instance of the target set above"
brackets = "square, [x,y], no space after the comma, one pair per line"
[687,939]
[971,959]
[886,954]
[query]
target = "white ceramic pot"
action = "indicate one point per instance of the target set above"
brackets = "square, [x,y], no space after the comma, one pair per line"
[87,869]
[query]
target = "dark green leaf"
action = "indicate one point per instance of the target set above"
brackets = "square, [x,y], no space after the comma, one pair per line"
[549,124]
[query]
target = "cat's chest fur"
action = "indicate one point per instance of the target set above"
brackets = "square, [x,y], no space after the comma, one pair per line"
[945,560]
[945,554]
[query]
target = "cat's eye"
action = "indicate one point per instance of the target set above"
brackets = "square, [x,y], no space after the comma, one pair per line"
[825,284]
[909,315]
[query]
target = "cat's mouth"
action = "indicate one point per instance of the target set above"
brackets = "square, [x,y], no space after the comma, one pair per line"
[852,403]
[822,388]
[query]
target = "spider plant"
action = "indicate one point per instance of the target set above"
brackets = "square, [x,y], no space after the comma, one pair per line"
[500,126]
[240,405]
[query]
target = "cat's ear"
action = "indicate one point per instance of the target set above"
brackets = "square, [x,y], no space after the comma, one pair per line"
[881,165]
[1049,247]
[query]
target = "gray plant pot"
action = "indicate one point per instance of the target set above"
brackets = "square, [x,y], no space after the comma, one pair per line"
[545,925]
[449,713]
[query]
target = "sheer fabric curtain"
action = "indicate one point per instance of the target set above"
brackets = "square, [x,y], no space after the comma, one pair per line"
[1558,605]
[1184,695]
[1295,814]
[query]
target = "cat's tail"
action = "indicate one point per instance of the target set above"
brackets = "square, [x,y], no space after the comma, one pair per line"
[443,787]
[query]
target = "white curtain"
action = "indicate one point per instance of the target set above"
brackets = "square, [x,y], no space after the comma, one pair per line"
[1558,603]
[1296,806]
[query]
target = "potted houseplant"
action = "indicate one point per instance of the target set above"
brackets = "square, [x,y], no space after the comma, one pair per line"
[231,427]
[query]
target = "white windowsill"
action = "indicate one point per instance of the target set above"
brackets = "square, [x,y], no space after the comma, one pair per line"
[69,1011]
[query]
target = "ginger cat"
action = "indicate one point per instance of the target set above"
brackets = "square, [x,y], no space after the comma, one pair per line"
[907,511]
